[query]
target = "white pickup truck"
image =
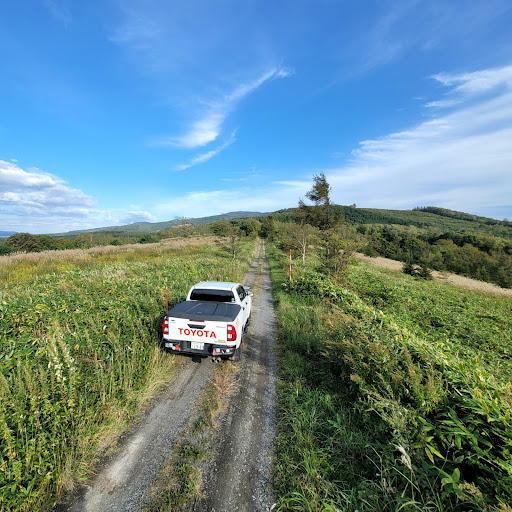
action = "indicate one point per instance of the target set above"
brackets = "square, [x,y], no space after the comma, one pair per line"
[211,322]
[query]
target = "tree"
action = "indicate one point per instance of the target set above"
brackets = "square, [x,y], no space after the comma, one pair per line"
[320,194]
[5,249]
[84,240]
[24,242]
[338,253]
[250,227]
[298,238]
[322,217]
[268,230]
[183,226]
[229,231]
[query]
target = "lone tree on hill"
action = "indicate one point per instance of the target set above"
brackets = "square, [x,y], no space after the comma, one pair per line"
[337,252]
[321,214]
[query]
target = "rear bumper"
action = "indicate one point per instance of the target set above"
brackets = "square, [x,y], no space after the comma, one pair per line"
[208,349]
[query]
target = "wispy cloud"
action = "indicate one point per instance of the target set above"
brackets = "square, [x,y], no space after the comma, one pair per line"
[214,202]
[469,84]
[59,10]
[208,127]
[460,160]
[201,59]
[204,157]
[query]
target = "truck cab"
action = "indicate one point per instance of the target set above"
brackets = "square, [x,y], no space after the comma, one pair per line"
[232,293]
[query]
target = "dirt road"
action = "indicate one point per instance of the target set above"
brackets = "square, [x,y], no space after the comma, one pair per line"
[237,477]
[238,472]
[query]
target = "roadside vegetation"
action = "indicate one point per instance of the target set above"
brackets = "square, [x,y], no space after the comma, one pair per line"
[427,238]
[395,393]
[80,354]
[143,233]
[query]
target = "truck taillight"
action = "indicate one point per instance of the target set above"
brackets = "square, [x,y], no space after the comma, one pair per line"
[165,326]
[231,332]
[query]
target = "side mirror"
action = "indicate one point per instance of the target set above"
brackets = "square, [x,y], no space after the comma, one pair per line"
[250,294]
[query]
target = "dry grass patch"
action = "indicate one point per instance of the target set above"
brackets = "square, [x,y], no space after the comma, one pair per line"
[453,279]
[22,267]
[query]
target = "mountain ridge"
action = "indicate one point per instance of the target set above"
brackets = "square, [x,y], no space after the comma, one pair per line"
[150,227]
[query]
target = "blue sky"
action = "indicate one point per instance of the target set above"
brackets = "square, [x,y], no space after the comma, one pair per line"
[120,111]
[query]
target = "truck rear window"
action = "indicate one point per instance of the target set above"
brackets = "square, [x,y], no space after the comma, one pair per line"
[212,295]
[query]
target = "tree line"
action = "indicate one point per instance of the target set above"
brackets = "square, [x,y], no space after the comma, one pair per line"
[485,258]
[26,242]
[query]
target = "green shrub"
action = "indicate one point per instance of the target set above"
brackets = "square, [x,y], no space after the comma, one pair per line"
[430,387]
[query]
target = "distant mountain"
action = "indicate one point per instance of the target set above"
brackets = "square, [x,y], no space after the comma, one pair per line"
[150,227]
[7,233]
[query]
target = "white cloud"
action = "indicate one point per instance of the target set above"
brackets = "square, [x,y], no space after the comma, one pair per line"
[208,127]
[443,103]
[37,188]
[465,86]
[204,157]
[461,160]
[202,132]
[477,82]
[39,202]
[131,217]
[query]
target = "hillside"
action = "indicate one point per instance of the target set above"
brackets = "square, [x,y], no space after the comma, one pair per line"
[430,217]
[430,238]
[394,391]
[153,227]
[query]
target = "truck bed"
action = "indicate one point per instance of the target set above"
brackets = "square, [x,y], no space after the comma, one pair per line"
[198,310]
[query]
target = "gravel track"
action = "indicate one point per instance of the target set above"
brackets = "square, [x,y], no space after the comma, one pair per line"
[122,483]
[238,475]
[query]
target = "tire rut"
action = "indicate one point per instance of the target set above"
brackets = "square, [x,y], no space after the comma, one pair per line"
[238,476]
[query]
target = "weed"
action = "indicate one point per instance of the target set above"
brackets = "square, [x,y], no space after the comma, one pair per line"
[418,391]
[79,355]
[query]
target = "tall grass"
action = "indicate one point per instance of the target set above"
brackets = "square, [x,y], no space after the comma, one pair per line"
[80,354]
[18,267]
[388,400]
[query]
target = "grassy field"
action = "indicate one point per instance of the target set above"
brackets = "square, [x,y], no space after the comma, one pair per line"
[80,354]
[395,394]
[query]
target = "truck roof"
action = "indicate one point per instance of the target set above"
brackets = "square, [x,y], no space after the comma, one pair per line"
[216,285]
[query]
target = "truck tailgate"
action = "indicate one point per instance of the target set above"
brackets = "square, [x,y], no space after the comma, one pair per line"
[201,322]
[200,331]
